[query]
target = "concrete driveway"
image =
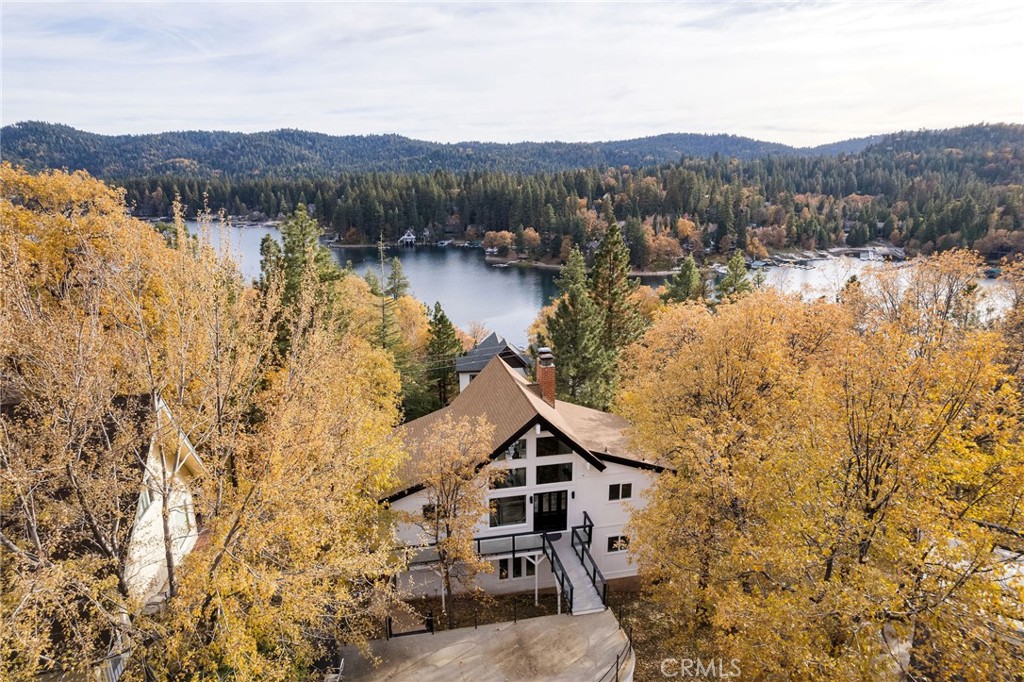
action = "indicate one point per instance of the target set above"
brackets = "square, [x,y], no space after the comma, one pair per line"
[570,648]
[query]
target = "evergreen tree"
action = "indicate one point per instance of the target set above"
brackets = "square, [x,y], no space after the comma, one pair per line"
[387,331]
[442,349]
[685,285]
[291,265]
[575,330]
[610,288]
[398,284]
[735,283]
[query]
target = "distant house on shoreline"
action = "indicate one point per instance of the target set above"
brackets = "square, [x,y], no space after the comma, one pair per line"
[408,239]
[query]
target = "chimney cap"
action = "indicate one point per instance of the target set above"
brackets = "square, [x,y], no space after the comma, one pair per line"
[545,356]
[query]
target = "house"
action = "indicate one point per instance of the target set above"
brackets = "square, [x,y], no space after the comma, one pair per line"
[557,517]
[408,239]
[171,459]
[161,460]
[469,365]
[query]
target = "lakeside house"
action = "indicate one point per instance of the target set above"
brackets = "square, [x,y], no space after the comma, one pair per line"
[407,239]
[558,514]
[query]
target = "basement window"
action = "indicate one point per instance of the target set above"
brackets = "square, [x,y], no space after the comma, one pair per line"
[618,543]
[519,566]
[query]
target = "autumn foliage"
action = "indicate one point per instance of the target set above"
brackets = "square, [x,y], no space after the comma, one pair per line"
[99,309]
[847,480]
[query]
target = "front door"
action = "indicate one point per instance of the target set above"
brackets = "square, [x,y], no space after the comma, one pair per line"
[550,511]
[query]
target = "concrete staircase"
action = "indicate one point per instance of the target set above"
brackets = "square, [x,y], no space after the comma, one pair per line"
[585,598]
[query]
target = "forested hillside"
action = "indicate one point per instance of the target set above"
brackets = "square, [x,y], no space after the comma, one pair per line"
[296,153]
[925,190]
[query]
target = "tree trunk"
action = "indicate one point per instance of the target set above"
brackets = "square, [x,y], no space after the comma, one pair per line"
[165,516]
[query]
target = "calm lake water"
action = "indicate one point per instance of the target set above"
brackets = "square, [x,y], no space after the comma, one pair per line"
[507,300]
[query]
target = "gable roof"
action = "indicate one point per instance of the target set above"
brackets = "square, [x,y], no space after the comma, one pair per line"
[494,345]
[514,405]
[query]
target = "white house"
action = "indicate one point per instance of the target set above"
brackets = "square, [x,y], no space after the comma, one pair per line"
[557,516]
[171,459]
[407,239]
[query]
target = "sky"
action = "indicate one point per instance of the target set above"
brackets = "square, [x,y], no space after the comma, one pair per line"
[801,73]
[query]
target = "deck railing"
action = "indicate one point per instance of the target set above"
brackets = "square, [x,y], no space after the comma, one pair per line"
[513,544]
[564,584]
[581,538]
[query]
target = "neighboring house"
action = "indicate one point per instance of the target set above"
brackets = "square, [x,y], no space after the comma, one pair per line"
[473,362]
[170,457]
[163,454]
[571,483]
[408,239]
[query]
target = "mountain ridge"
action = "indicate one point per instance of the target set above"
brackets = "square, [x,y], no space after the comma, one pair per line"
[289,152]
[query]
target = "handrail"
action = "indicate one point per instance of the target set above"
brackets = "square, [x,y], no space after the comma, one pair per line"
[558,570]
[588,523]
[592,571]
[517,546]
[620,659]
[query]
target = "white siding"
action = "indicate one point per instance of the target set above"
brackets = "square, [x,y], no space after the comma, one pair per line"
[588,491]
[146,568]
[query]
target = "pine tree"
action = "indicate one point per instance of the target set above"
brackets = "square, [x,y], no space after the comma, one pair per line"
[398,283]
[610,288]
[735,283]
[575,330]
[685,285]
[442,349]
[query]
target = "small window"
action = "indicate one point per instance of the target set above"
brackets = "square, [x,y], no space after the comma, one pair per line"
[520,567]
[146,497]
[549,446]
[517,450]
[620,491]
[510,478]
[429,512]
[554,473]
[507,511]
[618,543]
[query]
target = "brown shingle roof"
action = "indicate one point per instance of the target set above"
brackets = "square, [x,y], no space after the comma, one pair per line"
[513,405]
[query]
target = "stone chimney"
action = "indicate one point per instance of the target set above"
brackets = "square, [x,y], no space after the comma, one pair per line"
[546,375]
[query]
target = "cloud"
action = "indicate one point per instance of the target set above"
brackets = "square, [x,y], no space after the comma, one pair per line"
[796,72]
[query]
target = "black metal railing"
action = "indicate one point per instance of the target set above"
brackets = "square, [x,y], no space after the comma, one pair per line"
[564,584]
[622,659]
[587,527]
[492,545]
[582,536]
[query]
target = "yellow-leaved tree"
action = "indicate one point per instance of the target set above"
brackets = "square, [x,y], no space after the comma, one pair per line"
[452,453]
[102,320]
[846,480]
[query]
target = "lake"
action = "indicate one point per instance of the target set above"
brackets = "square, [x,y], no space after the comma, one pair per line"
[505,300]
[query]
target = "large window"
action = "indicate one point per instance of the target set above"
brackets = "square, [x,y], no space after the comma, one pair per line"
[508,511]
[554,473]
[551,446]
[517,450]
[510,478]
[620,491]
